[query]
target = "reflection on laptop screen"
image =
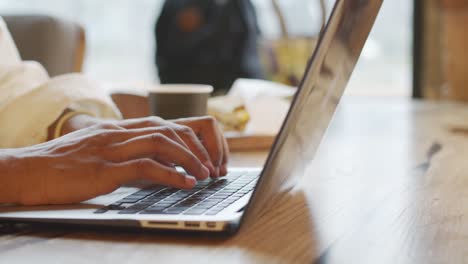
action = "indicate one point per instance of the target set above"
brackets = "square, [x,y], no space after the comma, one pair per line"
[325,79]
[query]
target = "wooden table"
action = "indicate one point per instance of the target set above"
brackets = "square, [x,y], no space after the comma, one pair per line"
[388,185]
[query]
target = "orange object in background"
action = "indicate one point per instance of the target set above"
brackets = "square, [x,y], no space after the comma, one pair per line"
[455,49]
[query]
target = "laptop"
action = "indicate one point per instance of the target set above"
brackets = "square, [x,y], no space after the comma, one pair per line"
[226,204]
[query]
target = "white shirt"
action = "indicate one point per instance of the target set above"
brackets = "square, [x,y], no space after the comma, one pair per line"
[30,101]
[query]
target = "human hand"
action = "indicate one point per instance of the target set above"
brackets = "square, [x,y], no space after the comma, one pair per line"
[97,160]
[212,138]
[202,135]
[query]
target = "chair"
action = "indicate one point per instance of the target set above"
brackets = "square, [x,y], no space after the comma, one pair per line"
[59,45]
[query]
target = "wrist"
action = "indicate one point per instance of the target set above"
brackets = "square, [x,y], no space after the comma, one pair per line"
[70,121]
[78,122]
[10,178]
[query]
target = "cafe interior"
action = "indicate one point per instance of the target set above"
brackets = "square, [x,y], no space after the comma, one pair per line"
[385,182]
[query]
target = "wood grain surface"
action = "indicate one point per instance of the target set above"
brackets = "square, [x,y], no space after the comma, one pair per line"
[389,184]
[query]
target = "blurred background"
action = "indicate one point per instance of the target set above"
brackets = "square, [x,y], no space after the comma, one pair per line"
[120,42]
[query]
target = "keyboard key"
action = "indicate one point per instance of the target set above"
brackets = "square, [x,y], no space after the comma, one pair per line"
[236,186]
[209,202]
[180,208]
[148,211]
[207,192]
[221,196]
[137,207]
[172,199]
[228,192]
[145,204]
[163,192]
[184,192]
[127,211]
[173,211]
[101,211]
[203,206]
[167,200]
[220,182]
[217,200]
[205,196]
[230,189]
[212,195]
[153,199]
[115,206]
[181,195]
[163,204]
[196,196]
[136,197]
[129,200]
[157,207]
[194,199]
[145,192]
[187,203]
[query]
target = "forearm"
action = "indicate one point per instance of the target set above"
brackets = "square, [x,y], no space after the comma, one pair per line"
[9,177]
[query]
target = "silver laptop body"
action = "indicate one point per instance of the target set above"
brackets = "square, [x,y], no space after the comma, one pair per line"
[223,205]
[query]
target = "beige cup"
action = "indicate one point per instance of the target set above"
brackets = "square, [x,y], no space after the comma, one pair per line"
[172,101]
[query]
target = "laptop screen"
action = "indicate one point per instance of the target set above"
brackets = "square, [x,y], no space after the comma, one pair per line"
[316,100]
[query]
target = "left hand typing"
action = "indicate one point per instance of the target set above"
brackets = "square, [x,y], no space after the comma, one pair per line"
[201,134]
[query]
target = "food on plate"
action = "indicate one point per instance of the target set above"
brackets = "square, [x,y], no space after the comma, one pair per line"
[230,111]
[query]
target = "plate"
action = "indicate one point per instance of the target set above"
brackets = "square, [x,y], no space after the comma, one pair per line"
[241,142]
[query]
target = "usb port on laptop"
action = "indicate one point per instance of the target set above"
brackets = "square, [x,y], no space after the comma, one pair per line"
[192,224]
[211,224]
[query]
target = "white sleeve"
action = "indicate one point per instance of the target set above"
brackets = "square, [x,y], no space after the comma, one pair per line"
[8,52]
[30,101]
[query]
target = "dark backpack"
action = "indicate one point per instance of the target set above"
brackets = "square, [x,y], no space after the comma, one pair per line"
[207,42]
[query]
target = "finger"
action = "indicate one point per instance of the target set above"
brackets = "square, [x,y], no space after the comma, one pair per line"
[212,139]
[132,133]
[196,146]
[151,170]
[223,169]
[162,148]
[184,135]
[147,122]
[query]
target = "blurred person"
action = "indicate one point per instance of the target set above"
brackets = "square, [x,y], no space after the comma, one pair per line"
[62,140]
[207,42]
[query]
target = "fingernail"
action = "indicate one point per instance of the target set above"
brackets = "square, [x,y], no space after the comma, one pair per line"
[217,172]
[190,180]
[210,167]
[206,172]
[223,170]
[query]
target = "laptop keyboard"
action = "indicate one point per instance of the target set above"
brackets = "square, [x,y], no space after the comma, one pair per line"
[208,197]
